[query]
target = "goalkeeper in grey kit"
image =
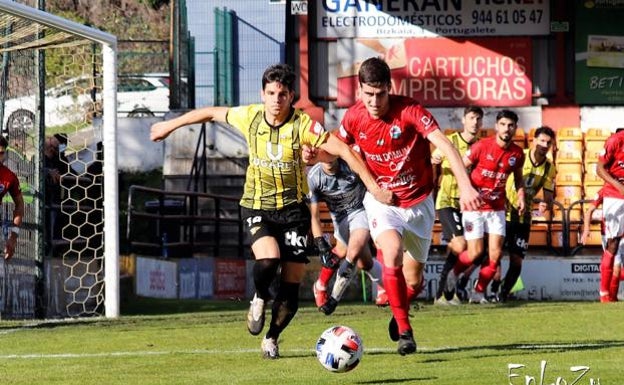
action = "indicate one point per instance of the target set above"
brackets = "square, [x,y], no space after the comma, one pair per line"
[336,185]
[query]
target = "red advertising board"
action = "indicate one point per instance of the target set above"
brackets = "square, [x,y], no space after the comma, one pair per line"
[230,278]
[442,72]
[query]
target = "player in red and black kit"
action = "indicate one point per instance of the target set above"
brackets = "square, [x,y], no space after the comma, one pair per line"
[393,133]
[10,184]
[491,160]
[610,167]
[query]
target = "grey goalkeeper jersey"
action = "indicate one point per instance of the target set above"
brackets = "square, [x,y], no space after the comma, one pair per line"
[343,192]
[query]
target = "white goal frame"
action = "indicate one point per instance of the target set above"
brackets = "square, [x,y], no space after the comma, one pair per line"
[109,136]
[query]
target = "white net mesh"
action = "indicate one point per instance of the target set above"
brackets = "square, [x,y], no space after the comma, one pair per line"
[51,108]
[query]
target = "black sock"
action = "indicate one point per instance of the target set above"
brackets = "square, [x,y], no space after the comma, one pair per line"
[284,308]
[264,272]
[451,259]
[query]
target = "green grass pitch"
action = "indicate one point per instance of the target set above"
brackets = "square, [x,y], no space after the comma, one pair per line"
[206,342]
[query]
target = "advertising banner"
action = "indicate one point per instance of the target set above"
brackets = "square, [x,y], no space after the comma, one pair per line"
[441,72]
[465,18]
[230,278]
[156,278]
[599,39]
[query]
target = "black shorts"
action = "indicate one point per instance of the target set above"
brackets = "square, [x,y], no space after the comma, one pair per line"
[289,226]
[451,221]
[517,237]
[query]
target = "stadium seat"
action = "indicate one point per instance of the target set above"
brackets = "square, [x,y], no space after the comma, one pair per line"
[597,134]
[486,132]
[537,236]
[592,150]
[520,138]
[590,177]
[569,133]
[448,131]
[569,151]
[591,190]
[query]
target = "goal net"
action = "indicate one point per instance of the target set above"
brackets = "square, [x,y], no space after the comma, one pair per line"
[58,112]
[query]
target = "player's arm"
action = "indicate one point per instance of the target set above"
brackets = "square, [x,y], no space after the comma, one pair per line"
[18,216]
[469,197]
[519,184]
[587,216]
[546,203]
[335,146]
[602,172]
[161,130]
[315,213]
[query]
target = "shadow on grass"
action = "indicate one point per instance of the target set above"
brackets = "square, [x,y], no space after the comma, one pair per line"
[157,306]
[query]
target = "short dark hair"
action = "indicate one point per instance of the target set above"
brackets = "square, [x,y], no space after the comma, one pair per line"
[4,142]
[509,114]
[544,130]
[281,73]
[374,72]
[473,109]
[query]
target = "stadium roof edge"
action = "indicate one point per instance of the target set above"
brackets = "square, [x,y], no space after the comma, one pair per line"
[54,21]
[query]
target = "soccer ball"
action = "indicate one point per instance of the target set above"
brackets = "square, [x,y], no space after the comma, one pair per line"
[339,349]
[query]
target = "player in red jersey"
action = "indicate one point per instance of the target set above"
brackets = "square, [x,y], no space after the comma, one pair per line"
[9,183]
[618,273]
[491,160]
[393,134]
[610,167]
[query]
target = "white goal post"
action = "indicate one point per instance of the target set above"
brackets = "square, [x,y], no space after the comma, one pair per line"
[107,43]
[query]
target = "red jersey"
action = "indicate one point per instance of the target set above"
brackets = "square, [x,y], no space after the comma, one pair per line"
[491,166]
[8,182]
[612,156]
[394,147]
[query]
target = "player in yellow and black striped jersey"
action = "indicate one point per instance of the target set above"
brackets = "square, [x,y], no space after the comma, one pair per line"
[538,174]
[274,209]
[447,197]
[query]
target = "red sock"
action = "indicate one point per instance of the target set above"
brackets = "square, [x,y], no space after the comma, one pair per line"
[487,272]
[325,275]
[606,271]
[463,262]
[614,287]
[394,283]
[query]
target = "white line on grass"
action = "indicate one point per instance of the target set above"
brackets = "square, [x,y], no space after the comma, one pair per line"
[254,351]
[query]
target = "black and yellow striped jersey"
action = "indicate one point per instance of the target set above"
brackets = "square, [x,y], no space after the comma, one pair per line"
[276,173]
[448,193]
[536,177]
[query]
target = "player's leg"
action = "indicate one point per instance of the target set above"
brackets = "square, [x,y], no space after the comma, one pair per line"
[517,244]
[266,252]
[614,228]
[319,288]
[474,230]
[495,228]
[291,232]
[452,230]
[614,287]
[358,240]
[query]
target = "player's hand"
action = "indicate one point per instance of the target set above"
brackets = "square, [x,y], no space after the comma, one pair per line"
[9,247]
[521,206]
[159,131]
[329,259]
[542,207]
[584,236]
[384,196]
[470,200]
[436,159]
[308,154]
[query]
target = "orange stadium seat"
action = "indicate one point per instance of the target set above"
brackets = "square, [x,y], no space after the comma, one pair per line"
[537,236]
[597,134]
[520,138]
[569,133]
[569,151]
[592,150]
[590,177]
[591,190]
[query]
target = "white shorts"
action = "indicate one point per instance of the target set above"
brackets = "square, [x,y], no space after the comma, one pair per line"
[353,221]
[477,223]
[613,213]
[415,224]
